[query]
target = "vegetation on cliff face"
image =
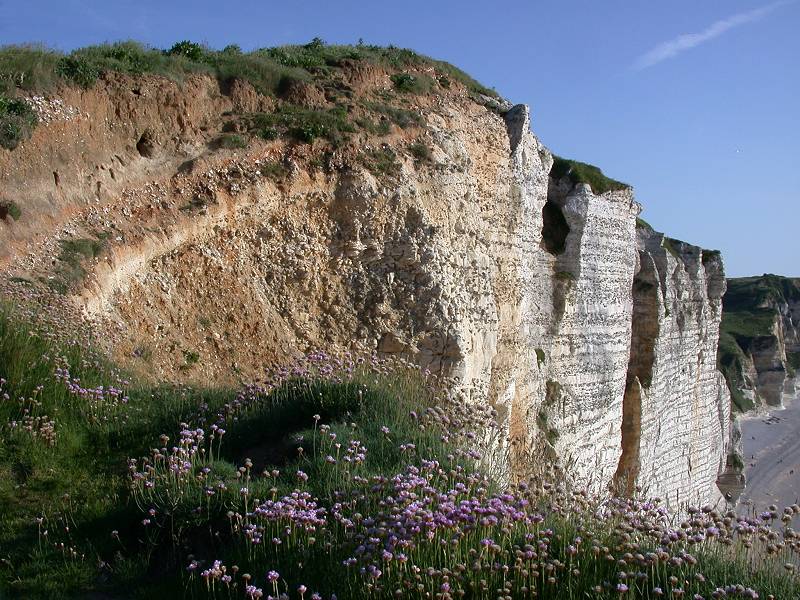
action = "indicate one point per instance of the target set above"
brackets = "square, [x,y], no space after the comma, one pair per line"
[17,121]
[751,311]
[330,477]
[579,172]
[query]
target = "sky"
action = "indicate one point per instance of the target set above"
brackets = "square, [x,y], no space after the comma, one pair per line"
[694,103]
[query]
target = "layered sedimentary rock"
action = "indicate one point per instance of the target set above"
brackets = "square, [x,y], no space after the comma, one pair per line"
[595,341]
[676,402]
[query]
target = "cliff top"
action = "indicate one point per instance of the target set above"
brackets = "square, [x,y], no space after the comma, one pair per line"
[269,70]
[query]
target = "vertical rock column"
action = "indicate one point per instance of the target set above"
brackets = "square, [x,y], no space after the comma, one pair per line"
[677,409]
[581,319]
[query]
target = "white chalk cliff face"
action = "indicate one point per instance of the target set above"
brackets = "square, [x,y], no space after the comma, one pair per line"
[677,406]
[595,343]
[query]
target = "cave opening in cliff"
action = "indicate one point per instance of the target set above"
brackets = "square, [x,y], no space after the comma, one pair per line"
[554,228]
[145,146]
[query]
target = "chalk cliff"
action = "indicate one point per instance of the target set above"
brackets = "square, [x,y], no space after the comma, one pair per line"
[443,239]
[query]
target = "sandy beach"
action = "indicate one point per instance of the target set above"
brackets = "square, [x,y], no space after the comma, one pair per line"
[771,444]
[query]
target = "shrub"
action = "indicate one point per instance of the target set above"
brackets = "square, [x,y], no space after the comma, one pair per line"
[273,170]
[9,208]
[17,122]
[263,72]
[78,70]
[40,69]
[411,84]
[268,133]
[191,357]
[190,50]
[420,151]
[381,127]
[540,357]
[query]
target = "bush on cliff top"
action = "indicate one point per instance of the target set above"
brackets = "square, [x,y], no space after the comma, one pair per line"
[579,172]
[35,68]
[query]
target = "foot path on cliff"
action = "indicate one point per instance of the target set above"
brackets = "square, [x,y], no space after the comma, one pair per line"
[771,447]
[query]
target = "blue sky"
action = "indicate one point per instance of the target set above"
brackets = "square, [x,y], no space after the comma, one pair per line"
[697,104]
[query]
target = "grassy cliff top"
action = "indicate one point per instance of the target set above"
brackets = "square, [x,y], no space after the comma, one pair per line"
[37,69]
[579,172]
[764,290]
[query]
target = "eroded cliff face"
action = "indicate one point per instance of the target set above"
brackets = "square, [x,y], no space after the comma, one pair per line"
[676,402]
[595,341]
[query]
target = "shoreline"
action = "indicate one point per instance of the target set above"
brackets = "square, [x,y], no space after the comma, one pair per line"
[771,454]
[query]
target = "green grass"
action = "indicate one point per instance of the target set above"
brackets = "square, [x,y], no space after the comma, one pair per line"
[737,331]
[579,172]
[28,67]
[274,170]
[80,481]
[233,141]
[793,358]
[540,357]
[709,255]
[381,127]
[381,162]
[304,124]
[407,83]
[747,292]
[36,68]
[746,325]
[669,245]
[70,268]
[401,117]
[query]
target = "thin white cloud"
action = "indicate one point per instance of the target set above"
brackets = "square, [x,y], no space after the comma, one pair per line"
[687,41]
